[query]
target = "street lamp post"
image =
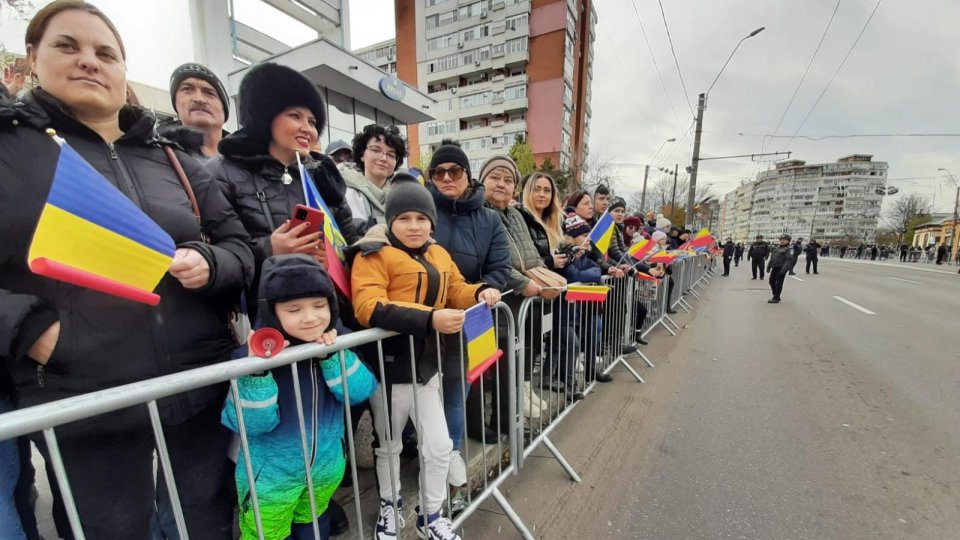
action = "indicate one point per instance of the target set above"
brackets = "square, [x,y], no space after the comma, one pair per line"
[701,106]
[673,192]
[646,173]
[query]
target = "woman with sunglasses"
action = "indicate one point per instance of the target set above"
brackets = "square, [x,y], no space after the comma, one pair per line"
[477,241]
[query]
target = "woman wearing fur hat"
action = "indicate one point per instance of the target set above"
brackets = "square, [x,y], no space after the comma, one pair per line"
[281,115]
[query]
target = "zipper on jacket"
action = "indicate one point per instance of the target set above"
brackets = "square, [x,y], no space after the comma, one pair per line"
[41,376]
[124,183]
[314,413]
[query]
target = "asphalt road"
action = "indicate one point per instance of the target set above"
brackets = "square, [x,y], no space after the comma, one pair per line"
[808,419]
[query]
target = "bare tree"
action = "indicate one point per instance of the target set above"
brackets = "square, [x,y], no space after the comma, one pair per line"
[595,169]
[904,210]
[23,8]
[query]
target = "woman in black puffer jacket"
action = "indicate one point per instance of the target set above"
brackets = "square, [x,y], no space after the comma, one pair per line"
[60,340]
[281,115]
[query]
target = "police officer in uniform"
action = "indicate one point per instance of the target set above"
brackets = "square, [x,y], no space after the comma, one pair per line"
[781,262]
[757,255]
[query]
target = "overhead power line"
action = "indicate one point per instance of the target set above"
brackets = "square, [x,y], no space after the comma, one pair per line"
[835,73]
[686,95]
[655,65]
[633,89]
[805,71]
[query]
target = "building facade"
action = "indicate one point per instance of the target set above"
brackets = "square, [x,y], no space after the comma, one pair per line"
[499,70]
[356,92]
[831,202]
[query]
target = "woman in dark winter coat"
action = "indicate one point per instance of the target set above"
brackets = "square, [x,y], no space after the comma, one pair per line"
[61,340]
[544,216]
[477,241]
[281,115]
[581,204]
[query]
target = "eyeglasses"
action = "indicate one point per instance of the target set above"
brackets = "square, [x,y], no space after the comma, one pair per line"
[380,152]
[455,173]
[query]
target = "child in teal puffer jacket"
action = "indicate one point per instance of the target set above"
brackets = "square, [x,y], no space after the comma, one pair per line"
[296,297]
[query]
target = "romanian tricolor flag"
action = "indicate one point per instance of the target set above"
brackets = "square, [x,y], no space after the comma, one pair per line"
[643,276]
[482,349]
[641,249]
[662,257]
[602,232]
[702,241]
[91,235]
[587,293]
[333,239]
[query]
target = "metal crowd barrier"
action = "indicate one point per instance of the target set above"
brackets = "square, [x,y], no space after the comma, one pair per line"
[553,349]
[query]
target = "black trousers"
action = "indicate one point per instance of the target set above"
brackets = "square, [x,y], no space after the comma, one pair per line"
[726,265]
[812,261]
[112,479]
[756,265]
[776,281]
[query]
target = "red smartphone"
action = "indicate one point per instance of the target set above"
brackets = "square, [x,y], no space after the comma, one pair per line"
[305,214]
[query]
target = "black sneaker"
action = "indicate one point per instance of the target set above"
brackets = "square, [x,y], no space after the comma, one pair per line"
[628,349]
[604,378]
[773,301]
[339,523]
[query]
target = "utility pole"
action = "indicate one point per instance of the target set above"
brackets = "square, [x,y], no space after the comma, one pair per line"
[643,194]
[673,196]
[692,193]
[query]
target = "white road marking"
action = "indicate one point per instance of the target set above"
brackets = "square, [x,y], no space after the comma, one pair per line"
[845,269]
[854,306]
[904,280]
[796,278]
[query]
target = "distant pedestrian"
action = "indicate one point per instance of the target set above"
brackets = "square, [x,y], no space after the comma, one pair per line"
[797,248]
[873,252]
[737,253]
[813,249]
[903,253]
[781,263]
[728,249]
[941,253]
[860,249]
[759,250]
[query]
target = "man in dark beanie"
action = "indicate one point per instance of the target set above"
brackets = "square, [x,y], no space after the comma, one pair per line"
[202,106]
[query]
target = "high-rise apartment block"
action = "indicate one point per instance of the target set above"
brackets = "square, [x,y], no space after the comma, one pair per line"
[834,202]
[498,69]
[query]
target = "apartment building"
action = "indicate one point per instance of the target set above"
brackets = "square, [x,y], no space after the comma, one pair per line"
[834,202]
[498,69]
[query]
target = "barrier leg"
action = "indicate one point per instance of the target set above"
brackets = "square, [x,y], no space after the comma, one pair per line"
[164,458]
[621,360]
[511,514]
[53,450]
[563,461]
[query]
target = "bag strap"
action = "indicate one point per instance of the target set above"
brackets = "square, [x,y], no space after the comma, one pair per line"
[182,176]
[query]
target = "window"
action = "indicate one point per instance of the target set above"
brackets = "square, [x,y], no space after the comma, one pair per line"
[441,42]
[443,63]
[516,117]
[441,19]
[472,10]
[474,124]
[516,45]
[517,22]
[567,94]
[441,128]
[435,2]
[475,100]
[515,92]
[445,105]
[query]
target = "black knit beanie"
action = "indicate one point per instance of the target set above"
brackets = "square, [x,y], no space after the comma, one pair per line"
[617,202]
[203,73]
[450,153]
[267,89]
[405,195]
[289,277]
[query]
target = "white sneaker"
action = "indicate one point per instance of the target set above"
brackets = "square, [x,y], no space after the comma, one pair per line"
[457,473]
[534,396]
[389,521]
[437,528]
[531,409]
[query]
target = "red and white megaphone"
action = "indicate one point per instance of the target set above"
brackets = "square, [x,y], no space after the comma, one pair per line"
[266,342]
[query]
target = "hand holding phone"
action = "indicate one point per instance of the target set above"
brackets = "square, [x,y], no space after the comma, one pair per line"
[311,216]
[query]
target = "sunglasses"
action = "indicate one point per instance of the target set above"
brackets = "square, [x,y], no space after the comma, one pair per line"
[455,173]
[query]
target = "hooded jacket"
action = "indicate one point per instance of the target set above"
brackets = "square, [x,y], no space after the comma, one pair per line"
[398,289]
[473,236]
[269,407]
[367,203]
[253,179]
[759,250]
[106,341]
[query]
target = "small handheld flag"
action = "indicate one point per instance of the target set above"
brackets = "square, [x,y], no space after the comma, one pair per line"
[587,293]
[702,241]
[334,242]
[640,250]
[91,235]
[662,257]
[602,232]
[482,349]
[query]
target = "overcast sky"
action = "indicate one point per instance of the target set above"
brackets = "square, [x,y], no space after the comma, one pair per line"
[902,77]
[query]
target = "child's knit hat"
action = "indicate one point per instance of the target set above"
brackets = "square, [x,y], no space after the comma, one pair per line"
[406,195]
[289,277]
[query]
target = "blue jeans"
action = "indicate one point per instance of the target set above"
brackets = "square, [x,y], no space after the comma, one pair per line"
[9,474]
[453,395]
